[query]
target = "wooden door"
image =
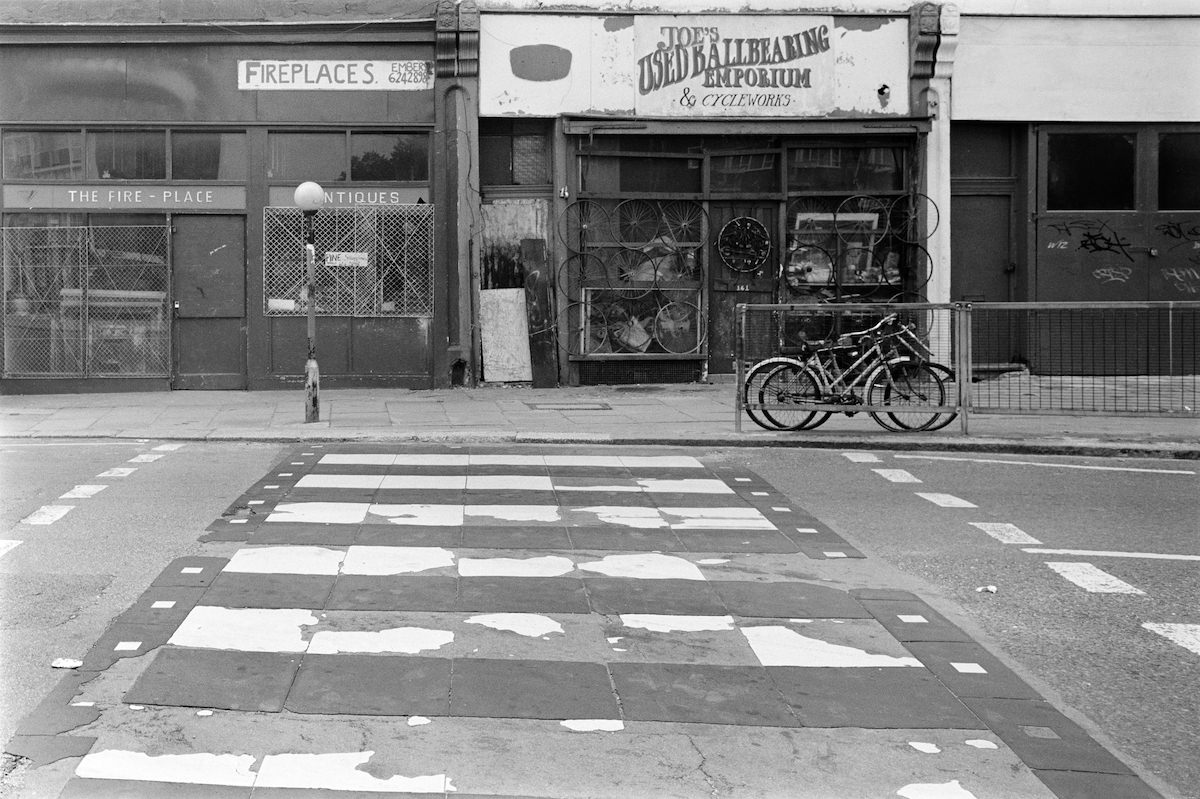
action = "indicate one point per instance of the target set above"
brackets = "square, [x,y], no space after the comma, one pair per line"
[208,261]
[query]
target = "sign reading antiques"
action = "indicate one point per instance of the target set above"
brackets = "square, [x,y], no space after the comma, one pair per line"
[389,76]
[713,65]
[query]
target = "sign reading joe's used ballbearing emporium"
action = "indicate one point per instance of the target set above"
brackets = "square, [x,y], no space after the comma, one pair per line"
[711,65]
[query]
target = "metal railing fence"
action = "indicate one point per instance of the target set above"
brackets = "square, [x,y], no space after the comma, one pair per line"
[1136,359]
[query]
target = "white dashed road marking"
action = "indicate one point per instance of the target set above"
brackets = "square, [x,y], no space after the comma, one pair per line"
[7,545]
[47,514]
[1186,635]
[1052,465]
[83,492]
[1093,579]
[1006,533]
[946,500]
[896,475]
[119,471]
[860,457]
[145,457]
[1095,553]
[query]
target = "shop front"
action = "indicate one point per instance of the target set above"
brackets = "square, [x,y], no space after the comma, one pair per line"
[699,164]
[151,239]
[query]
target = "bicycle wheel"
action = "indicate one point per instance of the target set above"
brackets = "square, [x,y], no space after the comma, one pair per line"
[587,329]
[755,377]
[951,385]
[677,327]
[787,396]
[906,218]
[906,384]
[636,274]
[861,220]
[582,270]
[636,223]
[582,224]
[684,223]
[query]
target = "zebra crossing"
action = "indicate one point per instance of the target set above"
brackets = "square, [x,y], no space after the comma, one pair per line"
[475,621]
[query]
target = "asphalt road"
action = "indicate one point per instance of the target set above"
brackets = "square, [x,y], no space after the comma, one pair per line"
[63,584]
[1085,650]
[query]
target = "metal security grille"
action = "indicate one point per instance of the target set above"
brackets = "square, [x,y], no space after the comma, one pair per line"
[370,261]
[86,301]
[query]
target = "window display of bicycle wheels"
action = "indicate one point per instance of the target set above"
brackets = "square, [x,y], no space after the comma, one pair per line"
[583,224]
[906,215]
[636,223]
[744,244]
[810,221]
[862,220]
[587,329]
[677,327]
[583,270]
[636,272]
[808,268]
[684,224]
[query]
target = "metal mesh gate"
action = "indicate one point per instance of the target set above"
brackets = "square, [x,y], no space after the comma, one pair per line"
[86,301]
[371,261]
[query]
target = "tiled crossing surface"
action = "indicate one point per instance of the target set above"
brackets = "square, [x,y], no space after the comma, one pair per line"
[477,622]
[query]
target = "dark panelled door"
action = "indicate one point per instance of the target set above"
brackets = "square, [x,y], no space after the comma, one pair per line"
[208,261]
[743,264]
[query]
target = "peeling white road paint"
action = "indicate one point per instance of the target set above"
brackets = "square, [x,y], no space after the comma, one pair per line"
[1006,533]
[320,512]
[244,629]
[425,515]
[687,486]
[198,768]
[516,513]
[403,640]
[544,566]
[362,481]
[642,518]
[780,646]
[712,561]
[981,743]
[340,771]
[118,471]
[923,746]
[418,721]
[593,725]
[676,624]
[379,561]
[932,790]
[508,482]
[1093,579]
[533,625]
[648,566]
[860,457]
[718,518]
[286,560]
[1186,635]
[8,545]
[601,461]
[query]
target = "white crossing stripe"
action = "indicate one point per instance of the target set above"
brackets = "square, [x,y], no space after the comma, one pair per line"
[860,457]
[1093,579]
[83,492]
[47,514]
[946,500]
[600,461]
[120,471]
[169,447]
[7,545]
[1005,533]
[1100,553]
[1053,465]
[1186,635]
[896,475]
[145,457]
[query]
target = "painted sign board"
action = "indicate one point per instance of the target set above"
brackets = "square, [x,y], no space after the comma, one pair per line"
[332,76]
[694,66]
[724,66]
[284,196]
[127,196]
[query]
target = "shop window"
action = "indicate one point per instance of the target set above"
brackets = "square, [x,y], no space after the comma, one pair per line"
[513,152]
[745,172]
[208,156]
[86,297]
[1179,171]
[389,157]
[43,155]
[307,156]
[1091,171]
[846,169]
[647,175]
[127,154]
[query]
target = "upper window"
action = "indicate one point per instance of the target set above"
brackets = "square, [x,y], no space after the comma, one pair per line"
[127,154]
[846,169]
[359,157]
[43,155]
[1091,172]
[513,152]
[1179,171]
[203,155]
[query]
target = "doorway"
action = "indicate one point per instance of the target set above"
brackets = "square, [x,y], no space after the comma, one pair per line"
[208,256]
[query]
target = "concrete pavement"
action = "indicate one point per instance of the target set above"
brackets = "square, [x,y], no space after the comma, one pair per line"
[685,414]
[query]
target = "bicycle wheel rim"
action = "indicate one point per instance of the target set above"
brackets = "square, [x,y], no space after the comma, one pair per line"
[786,396]
[947,376]
[636,223]
[582,224]
[751,397]
[910,384]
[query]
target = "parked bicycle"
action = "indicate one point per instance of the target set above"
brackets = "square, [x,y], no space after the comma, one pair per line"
[884,366]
